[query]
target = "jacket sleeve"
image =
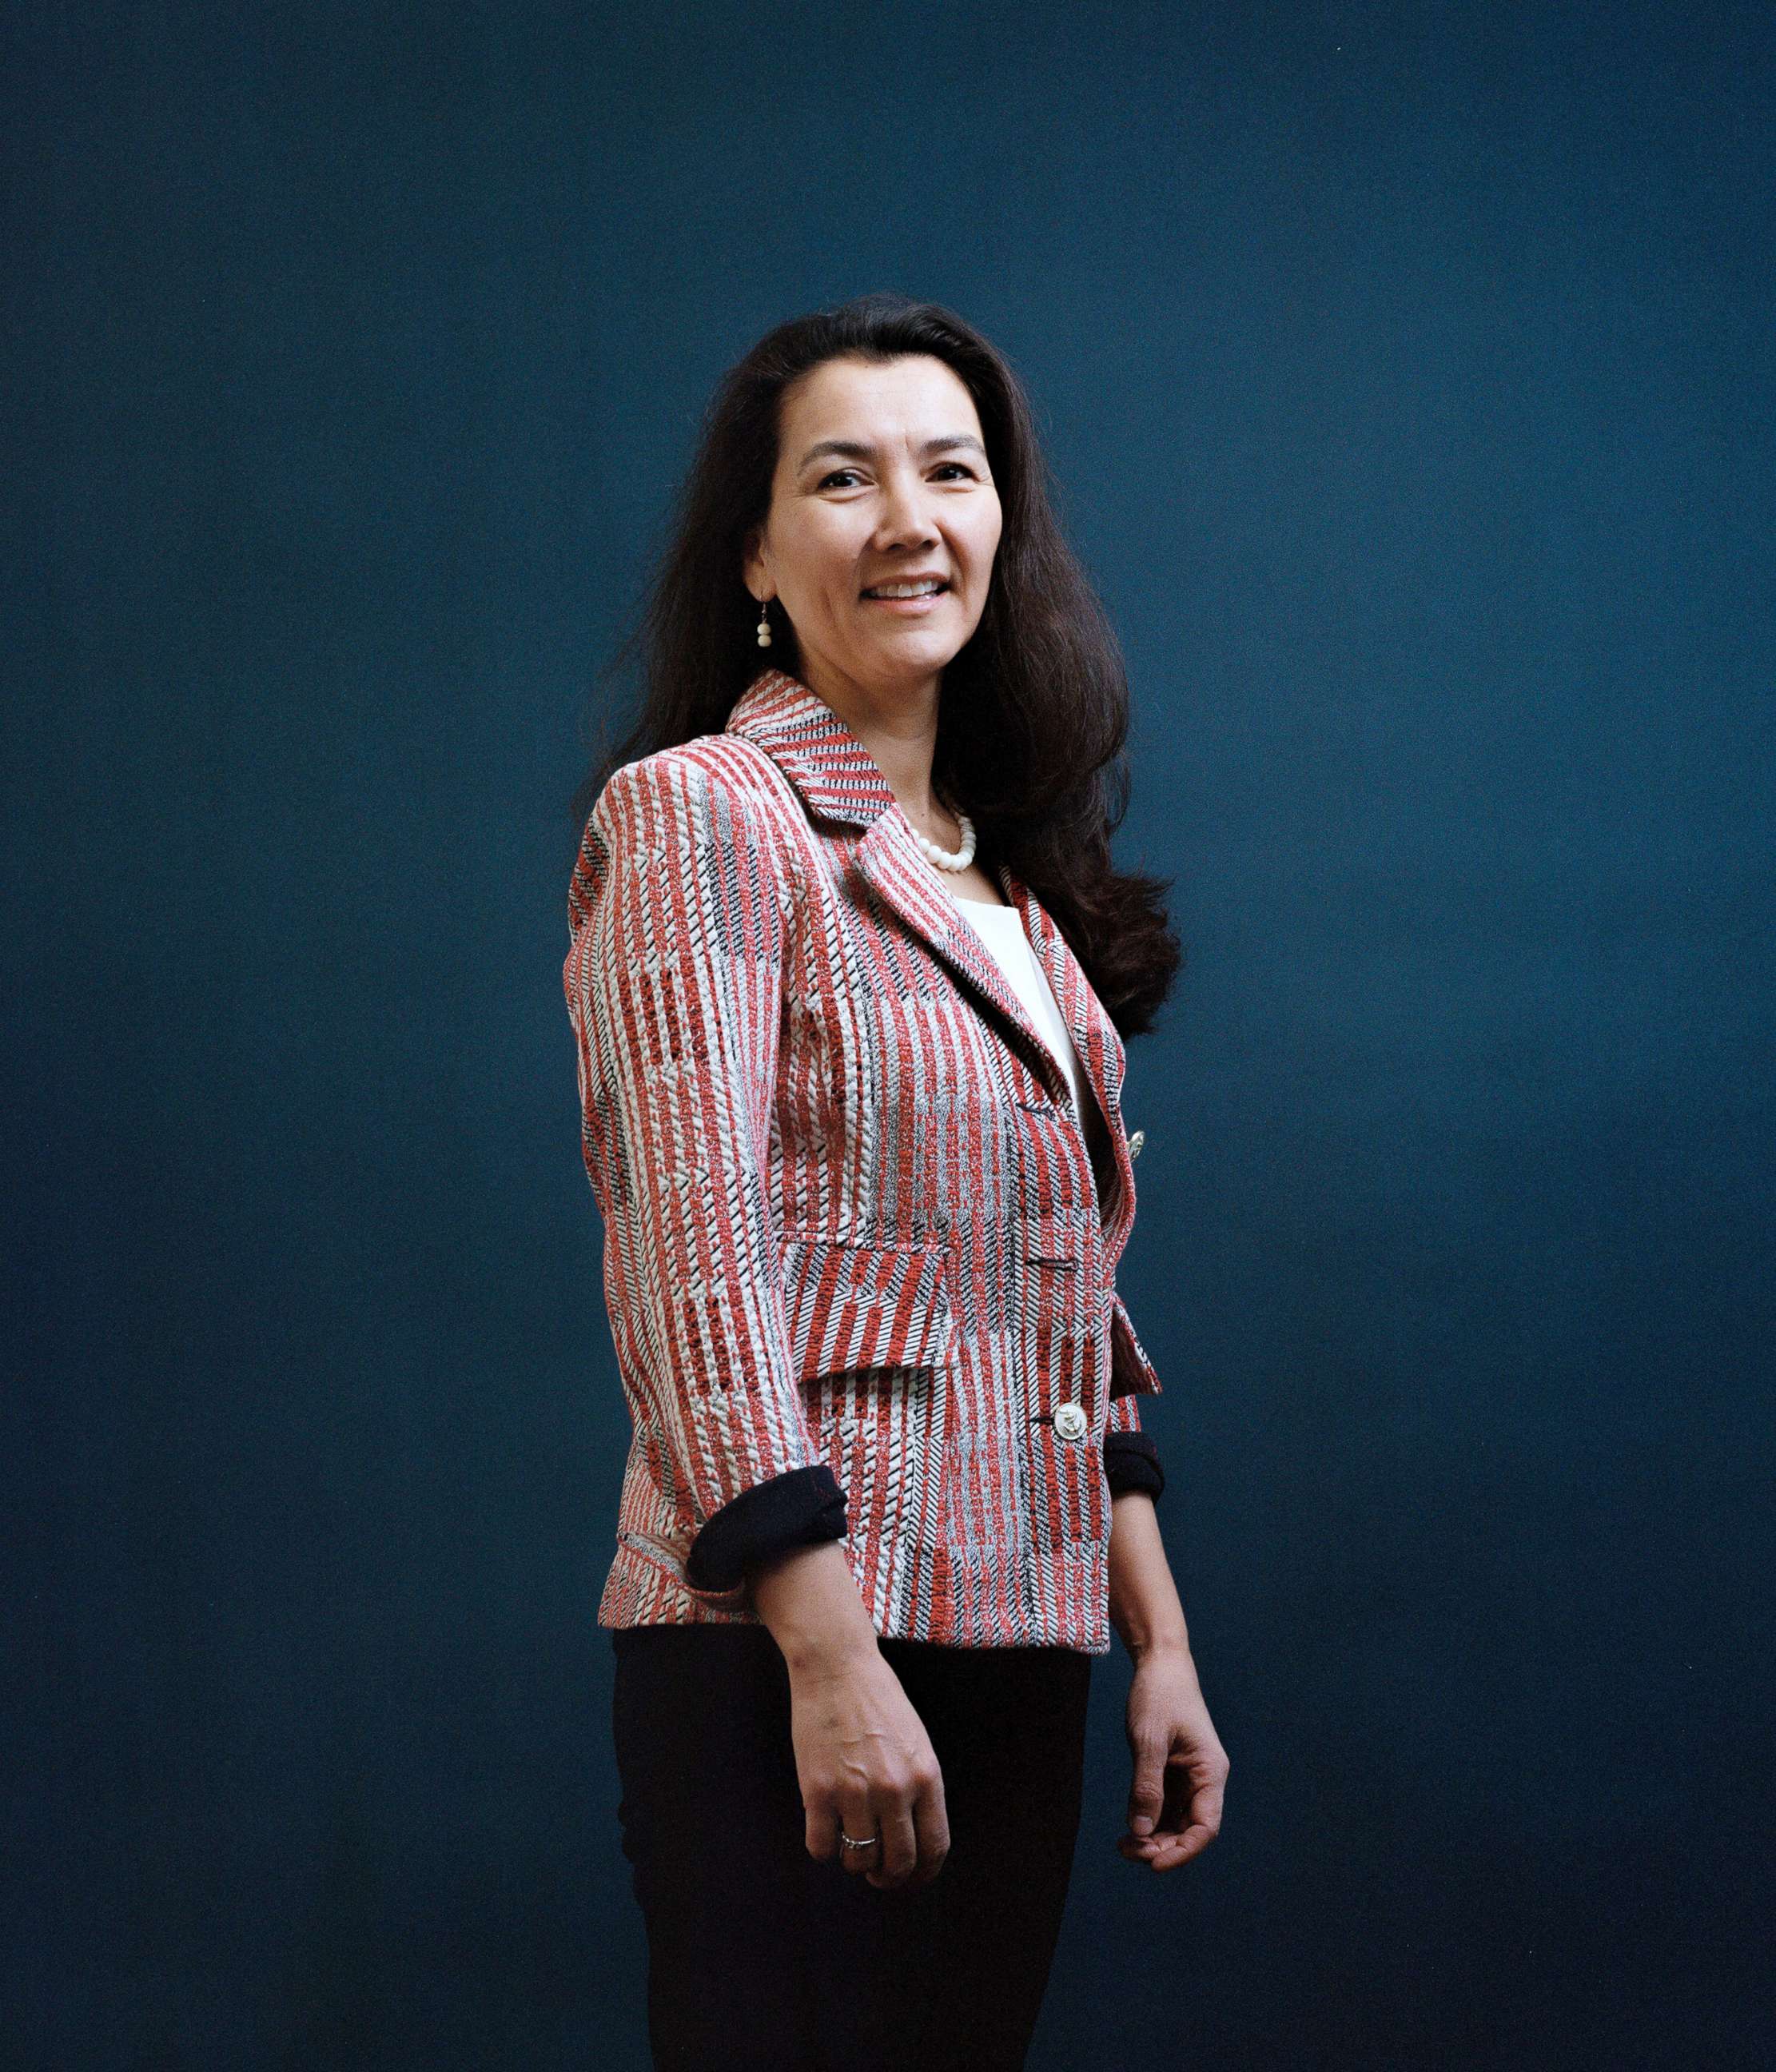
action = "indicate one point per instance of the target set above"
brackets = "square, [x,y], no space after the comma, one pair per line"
[674,986]
[1131,1458]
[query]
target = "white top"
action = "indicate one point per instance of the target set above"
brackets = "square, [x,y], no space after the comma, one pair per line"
[1001,929]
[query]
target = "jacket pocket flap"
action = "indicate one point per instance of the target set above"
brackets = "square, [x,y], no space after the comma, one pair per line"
[1051,1239]
[865,1306]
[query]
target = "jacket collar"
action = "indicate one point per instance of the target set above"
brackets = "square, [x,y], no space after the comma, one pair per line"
[837,779]
[834,774]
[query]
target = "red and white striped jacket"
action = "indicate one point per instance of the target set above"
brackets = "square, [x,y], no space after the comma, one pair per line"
[859,1255]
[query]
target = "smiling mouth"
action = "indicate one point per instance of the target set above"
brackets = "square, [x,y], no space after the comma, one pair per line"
[904,593]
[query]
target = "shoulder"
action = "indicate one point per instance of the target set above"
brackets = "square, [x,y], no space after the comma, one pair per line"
[713,772]
[715,794]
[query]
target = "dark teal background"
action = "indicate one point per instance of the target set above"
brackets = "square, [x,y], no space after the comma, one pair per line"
[1407,371]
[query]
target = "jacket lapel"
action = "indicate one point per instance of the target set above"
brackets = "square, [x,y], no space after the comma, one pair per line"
[838,779]
[1095,1036]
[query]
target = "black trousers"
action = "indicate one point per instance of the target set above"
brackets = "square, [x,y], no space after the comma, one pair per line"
[758,1955]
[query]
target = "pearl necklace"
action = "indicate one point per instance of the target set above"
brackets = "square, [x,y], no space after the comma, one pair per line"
[947,859]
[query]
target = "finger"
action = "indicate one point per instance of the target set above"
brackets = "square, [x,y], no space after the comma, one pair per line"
[1204,1806]
[1173,1816]
[1177,1842]
[821,1833]
[857,1820]
[1147,1790]
[1172,1850]
[1166,1846]
[931,1822]
[895,1860]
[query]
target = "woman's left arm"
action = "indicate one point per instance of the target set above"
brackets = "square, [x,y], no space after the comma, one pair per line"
[1180,1767]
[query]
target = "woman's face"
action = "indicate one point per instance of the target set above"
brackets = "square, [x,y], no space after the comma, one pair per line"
[882,474]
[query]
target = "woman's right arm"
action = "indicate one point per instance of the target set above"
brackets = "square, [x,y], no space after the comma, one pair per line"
[674,987]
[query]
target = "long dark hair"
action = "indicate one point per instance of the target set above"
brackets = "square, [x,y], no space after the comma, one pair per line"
[1033,711]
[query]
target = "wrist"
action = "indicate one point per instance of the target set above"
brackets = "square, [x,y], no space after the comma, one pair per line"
[822,1657]
[808,1599]
[1160,1644]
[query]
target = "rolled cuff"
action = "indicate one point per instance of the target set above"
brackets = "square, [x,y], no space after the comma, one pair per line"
[799,1508]
[1131,1462]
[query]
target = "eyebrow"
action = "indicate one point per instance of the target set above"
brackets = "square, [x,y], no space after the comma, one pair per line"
[859,450]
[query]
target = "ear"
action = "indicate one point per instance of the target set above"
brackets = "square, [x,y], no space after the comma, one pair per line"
[752,566]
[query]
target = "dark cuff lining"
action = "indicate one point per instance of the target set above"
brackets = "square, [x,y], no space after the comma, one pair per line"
[1131,1462]
[798,1509]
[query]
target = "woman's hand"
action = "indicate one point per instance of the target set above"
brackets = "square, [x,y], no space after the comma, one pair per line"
[1180,1768]
[863,1758]
[866,1763]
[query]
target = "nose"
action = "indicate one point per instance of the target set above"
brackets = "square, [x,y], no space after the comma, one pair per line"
[905,517]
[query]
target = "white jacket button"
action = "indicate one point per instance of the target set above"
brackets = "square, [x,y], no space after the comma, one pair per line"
[1069,1420]
[1136,1142]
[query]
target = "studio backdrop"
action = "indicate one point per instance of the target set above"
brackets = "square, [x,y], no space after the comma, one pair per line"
[1406,373]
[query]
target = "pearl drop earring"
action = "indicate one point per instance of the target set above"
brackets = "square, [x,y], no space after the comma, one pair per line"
[764,623]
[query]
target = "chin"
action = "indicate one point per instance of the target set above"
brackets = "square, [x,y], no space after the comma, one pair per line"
[933,649]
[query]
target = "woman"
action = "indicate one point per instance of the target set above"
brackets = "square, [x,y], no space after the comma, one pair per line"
[851,1109]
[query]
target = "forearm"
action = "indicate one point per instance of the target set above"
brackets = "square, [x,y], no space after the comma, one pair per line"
[1145,1607]
[809,1598]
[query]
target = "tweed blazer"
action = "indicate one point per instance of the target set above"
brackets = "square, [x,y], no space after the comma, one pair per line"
[859,1253]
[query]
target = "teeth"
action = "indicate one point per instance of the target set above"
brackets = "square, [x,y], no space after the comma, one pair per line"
[904,590]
